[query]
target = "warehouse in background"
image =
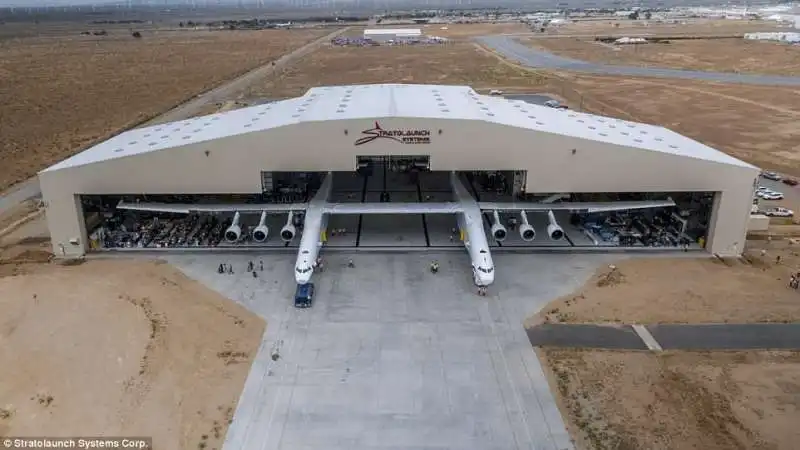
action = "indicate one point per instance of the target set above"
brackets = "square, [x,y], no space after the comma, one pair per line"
[400,146]
[392,34]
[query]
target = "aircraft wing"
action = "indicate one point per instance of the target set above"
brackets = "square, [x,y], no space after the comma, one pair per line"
[590,207]
[186,208]
[394,208]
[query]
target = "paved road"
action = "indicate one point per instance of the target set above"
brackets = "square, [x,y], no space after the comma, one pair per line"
[514,50]
[670,336]
[30,188]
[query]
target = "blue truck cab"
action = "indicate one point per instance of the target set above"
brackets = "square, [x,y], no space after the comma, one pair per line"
[304,295]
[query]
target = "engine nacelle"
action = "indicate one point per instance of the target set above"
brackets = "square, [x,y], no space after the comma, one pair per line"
[527,233]
[499,232]
[288,231]
[261,231]
[554,230]
[526,230]
[234,232]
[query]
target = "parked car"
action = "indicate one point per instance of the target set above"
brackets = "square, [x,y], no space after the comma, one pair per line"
[790,181]
[304,295]
[772,196]
[779,212]
[771,176]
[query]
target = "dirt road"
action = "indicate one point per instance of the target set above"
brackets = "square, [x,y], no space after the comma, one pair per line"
[30,188]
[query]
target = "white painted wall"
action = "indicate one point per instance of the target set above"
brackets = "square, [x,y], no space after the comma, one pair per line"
[554,163]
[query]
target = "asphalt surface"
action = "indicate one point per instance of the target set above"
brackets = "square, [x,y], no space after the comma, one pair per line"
[670,336]
[783,336]
[393,357]
[514,50]
[533,99]
[585,336]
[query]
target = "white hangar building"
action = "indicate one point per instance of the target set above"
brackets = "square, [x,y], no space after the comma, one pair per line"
[329,128]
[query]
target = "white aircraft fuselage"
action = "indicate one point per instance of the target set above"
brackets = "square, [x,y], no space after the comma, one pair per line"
[474,239]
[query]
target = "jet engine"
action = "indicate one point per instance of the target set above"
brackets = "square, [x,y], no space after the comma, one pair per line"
[526,231]
[234,232]
[261,232]
[554,230]
[288,231]
[498,230]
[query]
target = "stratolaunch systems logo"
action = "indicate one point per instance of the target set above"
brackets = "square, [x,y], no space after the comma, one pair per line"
[401,136]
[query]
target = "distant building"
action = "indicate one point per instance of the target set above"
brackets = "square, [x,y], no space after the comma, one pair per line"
[782,37]
[392,34]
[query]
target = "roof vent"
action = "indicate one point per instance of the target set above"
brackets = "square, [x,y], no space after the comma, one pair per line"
[151,144]
[581,120]
[255,119]
[132,143]
[158,129]
[165,136]
[573,115]
[261,113]
[295,115]
[207,124]
[484,108]
[176,130]
[517,106]
[624,133]
[603,134]
[248,125]
[539,123]
[659,139]
[217,118]
[445,110]
[443,104]
[187,137]
[611,125]
[630,125]
[342,105]
[490,114]
[147,135]
[531,117]
[117,150]
[592,127]
[637,140]
[643,132]
[601,120]
[673,146]
[197,130]
[339,110]
[524,110]
[301,110]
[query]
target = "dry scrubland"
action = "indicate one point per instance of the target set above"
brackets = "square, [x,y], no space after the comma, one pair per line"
[704,27]
[140,351]
[719,55]
[759,124]
[58,95]
[677,401]
[702,290]
[455,63]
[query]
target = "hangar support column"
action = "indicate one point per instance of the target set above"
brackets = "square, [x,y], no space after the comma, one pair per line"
[730,215]
[66,224]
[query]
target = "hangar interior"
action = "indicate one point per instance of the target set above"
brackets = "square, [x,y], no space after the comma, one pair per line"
[398,179]
[501,150]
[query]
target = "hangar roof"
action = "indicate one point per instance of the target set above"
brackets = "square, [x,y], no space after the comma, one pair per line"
[396,100]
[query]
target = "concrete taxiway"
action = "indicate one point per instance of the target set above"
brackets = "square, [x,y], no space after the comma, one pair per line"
[394,357]
[509,47]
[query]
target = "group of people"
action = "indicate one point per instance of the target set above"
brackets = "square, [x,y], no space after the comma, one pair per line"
[251,267]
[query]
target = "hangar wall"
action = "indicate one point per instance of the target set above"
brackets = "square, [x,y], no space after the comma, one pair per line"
[555,163]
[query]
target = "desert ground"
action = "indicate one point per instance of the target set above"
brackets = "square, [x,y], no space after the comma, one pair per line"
[453,63]
[719,55]
[758,124]
[677,400]
[139,351]
[703,290]
[60,94]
